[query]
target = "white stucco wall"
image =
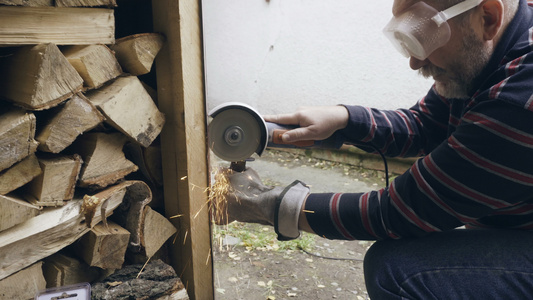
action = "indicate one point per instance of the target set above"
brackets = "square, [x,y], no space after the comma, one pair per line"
[278,55]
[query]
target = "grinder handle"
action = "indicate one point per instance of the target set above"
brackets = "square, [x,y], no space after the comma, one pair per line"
[276,139]
[275,131]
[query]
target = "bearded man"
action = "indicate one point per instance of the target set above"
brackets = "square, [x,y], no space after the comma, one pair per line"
[457,224]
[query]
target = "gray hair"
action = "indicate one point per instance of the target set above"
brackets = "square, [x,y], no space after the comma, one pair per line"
[510,8]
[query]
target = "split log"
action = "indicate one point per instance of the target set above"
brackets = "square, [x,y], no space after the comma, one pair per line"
[58,25]
[156,231]
[62,270]
[156,281]
[130,215]
[136,53]
[96,64]
[17,132]
[151,91]
[54,229]
[34,3]
[24,284]
[104,162]
[26,76]
[14,211]
[70,120]
[104,246]
[129,108]
[19,174]
[57,181]
[148,160]
[85,3]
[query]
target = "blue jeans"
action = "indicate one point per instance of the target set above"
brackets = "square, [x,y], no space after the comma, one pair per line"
[458,264]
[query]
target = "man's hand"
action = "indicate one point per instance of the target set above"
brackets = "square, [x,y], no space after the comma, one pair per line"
[315,123]
[248,200]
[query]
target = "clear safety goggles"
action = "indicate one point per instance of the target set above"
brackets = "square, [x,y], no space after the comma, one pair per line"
[421,29]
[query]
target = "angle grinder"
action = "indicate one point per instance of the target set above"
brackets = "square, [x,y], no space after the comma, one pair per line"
[237,131]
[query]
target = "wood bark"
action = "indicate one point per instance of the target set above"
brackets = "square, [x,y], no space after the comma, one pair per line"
[14,211]
[104,162]
[96,64]
[85,3]
[60,270]
[156,281]
[54,229]
[24,284]
[17,132]
[58,25]
[129,108]
[136,53]
[104,246]
[19,174]
[56,183]
[75,117]
[26,80]
[130,215]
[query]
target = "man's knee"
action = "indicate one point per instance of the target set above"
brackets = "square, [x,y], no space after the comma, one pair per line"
[380,270]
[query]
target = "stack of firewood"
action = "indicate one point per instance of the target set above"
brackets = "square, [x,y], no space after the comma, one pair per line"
[70,101]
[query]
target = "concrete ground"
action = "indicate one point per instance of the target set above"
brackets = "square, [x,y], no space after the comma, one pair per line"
[242,272]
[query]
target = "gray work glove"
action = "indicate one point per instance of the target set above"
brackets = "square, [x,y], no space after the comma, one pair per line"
[249,200]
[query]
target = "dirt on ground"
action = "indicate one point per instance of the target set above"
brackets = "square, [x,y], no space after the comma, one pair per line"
[327,269]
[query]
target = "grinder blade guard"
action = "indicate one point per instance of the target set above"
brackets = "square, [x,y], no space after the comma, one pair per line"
[236,132]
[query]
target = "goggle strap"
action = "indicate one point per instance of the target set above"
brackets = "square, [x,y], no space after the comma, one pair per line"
[454,11]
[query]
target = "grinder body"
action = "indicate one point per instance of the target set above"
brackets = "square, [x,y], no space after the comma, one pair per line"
[237,131]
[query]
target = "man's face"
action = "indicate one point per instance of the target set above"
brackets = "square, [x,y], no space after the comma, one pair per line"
[455,70]
[455,65]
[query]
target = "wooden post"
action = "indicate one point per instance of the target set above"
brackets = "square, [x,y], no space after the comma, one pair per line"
[180,84]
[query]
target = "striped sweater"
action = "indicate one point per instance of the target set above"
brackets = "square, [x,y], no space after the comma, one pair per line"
[476,165]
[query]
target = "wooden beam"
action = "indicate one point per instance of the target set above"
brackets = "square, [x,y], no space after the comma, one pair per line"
[59,25]
[85,3]
[34,3]
[180,84]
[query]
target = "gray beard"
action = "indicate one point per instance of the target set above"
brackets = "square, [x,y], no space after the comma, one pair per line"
[462,71]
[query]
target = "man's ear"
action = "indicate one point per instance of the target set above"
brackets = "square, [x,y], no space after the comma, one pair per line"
[492,16]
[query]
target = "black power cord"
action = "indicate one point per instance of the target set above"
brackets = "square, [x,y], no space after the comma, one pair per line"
[328,257]
[385,164]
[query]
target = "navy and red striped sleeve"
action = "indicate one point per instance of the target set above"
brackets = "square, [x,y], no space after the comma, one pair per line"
[476,165]
[477,173]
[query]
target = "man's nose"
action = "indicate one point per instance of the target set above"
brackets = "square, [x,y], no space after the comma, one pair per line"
[416,63]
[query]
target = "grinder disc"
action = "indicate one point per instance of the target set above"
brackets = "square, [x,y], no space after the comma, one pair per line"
[234,134]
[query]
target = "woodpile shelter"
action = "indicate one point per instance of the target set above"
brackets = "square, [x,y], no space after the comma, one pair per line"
[103,155]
